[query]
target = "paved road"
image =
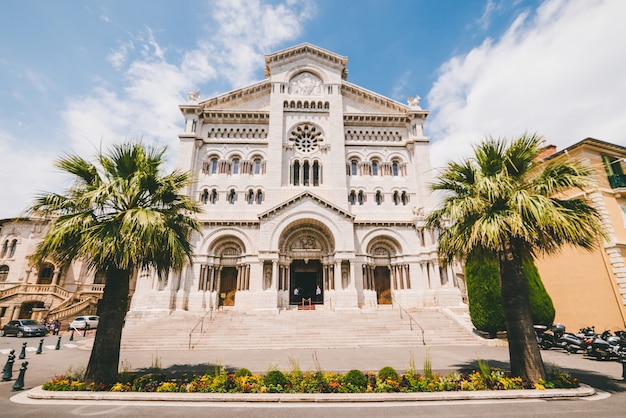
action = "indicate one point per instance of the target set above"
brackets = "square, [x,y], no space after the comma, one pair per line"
[605,376]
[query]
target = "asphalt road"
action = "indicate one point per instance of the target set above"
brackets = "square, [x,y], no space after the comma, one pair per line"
[605,376]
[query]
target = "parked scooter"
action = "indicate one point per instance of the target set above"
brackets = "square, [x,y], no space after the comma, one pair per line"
[607,346]
[556,337]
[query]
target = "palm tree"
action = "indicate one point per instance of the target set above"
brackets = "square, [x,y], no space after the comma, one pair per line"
[506,203]
[120,216]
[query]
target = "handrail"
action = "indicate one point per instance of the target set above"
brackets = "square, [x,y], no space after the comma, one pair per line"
[201,323]
[411,319]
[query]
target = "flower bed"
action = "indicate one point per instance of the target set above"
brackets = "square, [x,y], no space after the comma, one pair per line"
[296,381]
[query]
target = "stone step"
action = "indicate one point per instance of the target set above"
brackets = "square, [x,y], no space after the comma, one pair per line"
[293,329]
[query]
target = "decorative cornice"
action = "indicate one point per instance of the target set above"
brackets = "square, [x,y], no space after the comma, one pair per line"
[238,117]
[263,86]
[302,196]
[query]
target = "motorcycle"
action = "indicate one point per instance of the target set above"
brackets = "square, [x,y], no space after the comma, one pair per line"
[556,337]
[607,346]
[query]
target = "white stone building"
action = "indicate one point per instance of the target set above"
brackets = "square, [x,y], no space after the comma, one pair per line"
[307,182]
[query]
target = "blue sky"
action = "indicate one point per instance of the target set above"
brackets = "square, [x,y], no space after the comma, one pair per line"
[76,74]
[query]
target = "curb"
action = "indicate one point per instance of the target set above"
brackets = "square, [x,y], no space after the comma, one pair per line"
[38,394]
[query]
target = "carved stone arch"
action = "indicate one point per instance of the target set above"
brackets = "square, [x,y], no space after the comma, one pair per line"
[228,249]
[306,237]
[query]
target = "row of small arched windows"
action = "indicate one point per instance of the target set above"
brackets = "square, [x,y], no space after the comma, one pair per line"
[212,197]
[398,198]
[235,165]
[306,105]
[375,168]
[305,173]
[8,249]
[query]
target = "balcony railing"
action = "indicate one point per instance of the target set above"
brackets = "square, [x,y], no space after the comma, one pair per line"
[617,181]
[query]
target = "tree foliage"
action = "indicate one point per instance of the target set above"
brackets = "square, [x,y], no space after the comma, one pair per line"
[120,215]
[504,202]
[483,291]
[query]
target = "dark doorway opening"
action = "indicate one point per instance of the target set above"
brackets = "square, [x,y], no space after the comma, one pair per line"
[382,283]
[26,310]
[306,282]
[228,286]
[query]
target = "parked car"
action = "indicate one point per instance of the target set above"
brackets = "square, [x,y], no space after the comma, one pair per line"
[24,328]
[82,321]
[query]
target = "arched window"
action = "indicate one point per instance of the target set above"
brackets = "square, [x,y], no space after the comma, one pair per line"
[5,248]
[354,166]
[213,197]
[257,166]
[213,165]
[374,168]
[316,173]
[4,273]
[379,198]
[235,165]
[394,168]
[405,198]
[396,198]
[232,197]
[13,247]
[259,197]
[361,198]
[204,196]
[296,173]
[250,196]
[46,273]
[352,197]
[305,173]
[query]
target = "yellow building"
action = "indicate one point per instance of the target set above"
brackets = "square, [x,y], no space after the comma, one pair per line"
[589,288]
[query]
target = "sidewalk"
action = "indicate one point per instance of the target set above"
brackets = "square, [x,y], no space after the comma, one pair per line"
[444,359]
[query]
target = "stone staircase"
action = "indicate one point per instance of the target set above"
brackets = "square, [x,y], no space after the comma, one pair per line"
[231,329]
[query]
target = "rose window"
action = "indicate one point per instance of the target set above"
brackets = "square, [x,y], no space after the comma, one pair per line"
[306,138]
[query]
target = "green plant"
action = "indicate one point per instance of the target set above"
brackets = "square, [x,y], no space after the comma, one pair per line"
[428,365]
[355,380]
[388,373]
[275,378]
[243,372]
[483,292]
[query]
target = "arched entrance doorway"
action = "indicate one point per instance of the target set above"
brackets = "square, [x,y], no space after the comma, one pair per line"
[306,262]
[381,272]
[226,273]
[382,285]
[306,276]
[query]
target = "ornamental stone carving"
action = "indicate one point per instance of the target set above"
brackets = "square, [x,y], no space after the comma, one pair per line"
[306,84]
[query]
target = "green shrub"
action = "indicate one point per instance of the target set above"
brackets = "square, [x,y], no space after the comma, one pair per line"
[541,305]
[275,378]
[483,291]
[356,379]
[388,373]
[243,372]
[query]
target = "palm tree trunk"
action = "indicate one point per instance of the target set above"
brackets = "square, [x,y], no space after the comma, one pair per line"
[105,355]
[524,353]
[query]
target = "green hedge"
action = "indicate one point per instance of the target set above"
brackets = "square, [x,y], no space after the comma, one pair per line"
[483,291]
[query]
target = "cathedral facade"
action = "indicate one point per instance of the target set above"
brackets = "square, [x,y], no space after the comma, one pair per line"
[314,193]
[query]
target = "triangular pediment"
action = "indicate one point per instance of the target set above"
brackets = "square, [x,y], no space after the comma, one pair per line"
[305,196]
[304,51]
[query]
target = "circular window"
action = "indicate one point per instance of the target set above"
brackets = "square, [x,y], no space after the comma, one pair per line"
[306,138]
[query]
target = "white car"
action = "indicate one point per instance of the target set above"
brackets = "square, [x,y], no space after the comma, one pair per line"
[82,321]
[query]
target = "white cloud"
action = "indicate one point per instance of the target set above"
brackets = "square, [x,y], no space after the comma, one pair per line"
[147,105]
[558,73]
[25,172]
